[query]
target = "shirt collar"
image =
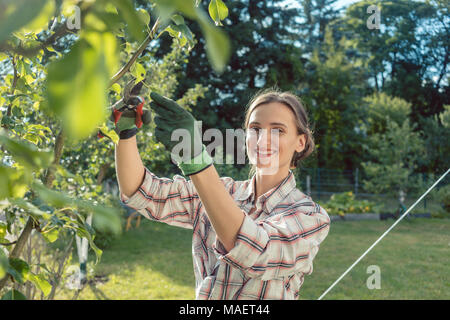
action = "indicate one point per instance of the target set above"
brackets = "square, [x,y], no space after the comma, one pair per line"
[249,189]
[272,197]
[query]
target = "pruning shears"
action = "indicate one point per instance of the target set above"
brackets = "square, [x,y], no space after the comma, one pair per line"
[130,106]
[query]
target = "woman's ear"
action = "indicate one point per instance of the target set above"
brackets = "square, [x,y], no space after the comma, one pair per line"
[301,143]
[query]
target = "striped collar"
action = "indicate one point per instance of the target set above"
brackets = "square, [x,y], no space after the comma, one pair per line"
[271,198]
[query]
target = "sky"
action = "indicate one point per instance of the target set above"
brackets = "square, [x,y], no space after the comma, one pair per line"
[342,3]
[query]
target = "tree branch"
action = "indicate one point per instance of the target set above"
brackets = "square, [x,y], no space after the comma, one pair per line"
[141,48]
[8,243]
[59,144]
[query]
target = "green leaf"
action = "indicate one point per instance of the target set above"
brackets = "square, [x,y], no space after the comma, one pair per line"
[19,269]
[82,232]
[110,133]
[28,207]
[41,21]
[144,16]
[2,231]
[98,252]
[182,33]
[116,88]
[54,198]
[26,153]
[16,14]
[78,83]
[112,20]
[106,219]
[178,19]
[14,182]
[187,7]
[135,25]
[4,264]
[218,11]
[14,295]
[67,174]
[217,44]
[186,32]
[51,235]
[170,29]
[3,56]
[41,283]
[138,71]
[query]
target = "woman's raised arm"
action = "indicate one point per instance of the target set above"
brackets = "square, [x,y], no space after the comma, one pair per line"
[129,167]
[225,216]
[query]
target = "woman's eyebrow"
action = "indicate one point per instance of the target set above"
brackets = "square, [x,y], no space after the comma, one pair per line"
[278,124]
[272,123]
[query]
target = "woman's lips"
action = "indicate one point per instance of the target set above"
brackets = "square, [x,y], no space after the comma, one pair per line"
[262,154]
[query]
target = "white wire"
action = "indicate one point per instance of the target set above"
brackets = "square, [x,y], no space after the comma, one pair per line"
[379,239]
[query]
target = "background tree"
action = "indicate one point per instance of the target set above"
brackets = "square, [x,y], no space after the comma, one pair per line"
[408,56]
[393,153]
[436,138]
[333,87]
[316,16]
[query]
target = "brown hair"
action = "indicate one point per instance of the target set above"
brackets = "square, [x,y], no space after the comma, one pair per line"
[289,99]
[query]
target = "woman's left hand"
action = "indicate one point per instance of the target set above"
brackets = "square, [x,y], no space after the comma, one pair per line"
[170,117]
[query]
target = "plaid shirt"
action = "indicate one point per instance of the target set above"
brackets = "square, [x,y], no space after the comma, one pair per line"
[275,246]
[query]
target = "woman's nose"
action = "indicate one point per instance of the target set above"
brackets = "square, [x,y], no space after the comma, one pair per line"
[262,137]
[266,137]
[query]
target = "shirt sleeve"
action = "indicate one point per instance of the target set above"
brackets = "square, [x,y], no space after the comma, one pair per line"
[173,201]
[278,246]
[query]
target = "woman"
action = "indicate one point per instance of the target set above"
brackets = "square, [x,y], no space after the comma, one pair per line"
[253,239]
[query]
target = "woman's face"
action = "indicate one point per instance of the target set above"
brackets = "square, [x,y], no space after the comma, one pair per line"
[272,138]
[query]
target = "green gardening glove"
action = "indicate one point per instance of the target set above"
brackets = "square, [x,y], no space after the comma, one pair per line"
[170,118]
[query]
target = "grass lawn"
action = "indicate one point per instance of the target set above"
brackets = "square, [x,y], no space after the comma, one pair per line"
[154,262]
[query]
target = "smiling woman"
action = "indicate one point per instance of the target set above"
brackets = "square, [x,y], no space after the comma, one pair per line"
[253,239]
[284,115]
